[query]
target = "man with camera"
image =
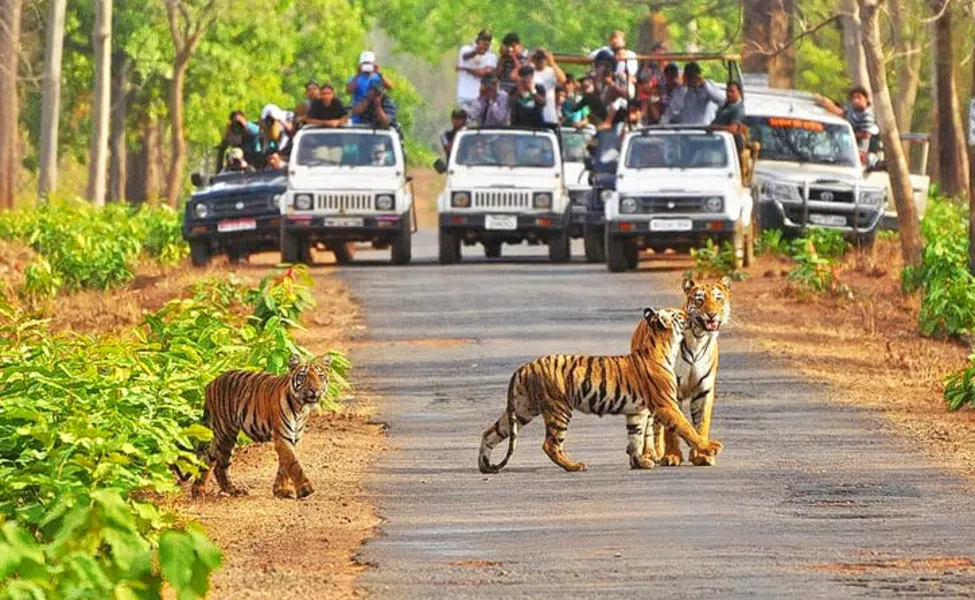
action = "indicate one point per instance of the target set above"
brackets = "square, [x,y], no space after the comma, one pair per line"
[513,57]
[243,134]
[694,103]
[377,109]
[491,108]
[528,102]
[359,85]
[475,61]
[550,76]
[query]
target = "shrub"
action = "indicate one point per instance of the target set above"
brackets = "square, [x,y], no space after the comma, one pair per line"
[829,244]
[771,243]
[812,271]
[715,260]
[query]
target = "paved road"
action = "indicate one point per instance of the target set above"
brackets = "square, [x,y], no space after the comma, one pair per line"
[803,487]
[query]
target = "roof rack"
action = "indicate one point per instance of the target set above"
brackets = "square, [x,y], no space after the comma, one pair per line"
[577,59]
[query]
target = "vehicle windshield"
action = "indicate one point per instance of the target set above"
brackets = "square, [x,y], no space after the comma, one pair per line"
[804,141]
[505,150]
[574,145]
[346,149]
[695,151]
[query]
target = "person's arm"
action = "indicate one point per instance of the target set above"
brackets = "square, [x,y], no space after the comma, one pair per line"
[386,80]
[829,105]
[713,93]
[559,73]
[350,85]
[383,117]
[672,115]
[361,107]
[252,128]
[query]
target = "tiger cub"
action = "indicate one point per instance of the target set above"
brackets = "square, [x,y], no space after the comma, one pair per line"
[708,307]
[267,408]
[633,385]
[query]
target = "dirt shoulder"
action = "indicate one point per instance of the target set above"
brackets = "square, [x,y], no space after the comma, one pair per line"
[865,345]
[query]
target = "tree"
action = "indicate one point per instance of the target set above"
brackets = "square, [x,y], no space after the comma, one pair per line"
[98,157]
[900,176]
[907,58]
[952,153]
[10,15]
[187,23]
[853,43]
[47,181]
[768,34]
[117,172]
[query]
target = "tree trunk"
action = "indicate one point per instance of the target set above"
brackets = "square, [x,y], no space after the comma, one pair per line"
[900,175]
[782,67]
[934,154]
[853,43]
[47,181]
[908,65]
[177,145]
[953,154]
[143,164]
[10,15]
[653,30]
[98,156]
[971,176]
[767,29]
[117,171]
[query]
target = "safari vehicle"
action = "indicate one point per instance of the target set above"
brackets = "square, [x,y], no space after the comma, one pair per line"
[234,213]
[347,185]
[575,149]
[676,188]
[916,146]
[809,171]
[504,186]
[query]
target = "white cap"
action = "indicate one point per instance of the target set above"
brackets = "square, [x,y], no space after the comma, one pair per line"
[367,56]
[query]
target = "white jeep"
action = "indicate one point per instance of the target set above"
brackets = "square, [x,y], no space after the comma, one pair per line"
[347,185]
[504,186]
[677,188]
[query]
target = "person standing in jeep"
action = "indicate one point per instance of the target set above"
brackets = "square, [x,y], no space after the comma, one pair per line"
[475,61]
[528,101]
[513,57]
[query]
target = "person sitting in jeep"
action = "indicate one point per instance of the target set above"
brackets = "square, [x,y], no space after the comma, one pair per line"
[327,110]
[377,109]
[243,134]
[860,116]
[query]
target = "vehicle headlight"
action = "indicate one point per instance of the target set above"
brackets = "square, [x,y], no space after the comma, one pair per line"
[385,202]
[460,199]
[872,198]
[276,200]
[785,192]
[542,200]
[628,205]
[303,201]
[713,204]
[201,210]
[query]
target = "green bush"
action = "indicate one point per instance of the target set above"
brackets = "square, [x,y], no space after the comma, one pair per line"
[811,271]
[91,426]
[829,243]
[771,242]
[713,260]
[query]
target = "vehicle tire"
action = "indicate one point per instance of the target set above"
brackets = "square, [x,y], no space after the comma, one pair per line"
[615,253]
[492,249]
[632,253]
[864,241]
[768,217]
[449,247]
[401,250]
[344,252]
[559,247]
[293,249]
[200,253]
[236,257]
[594,242]
[750,246]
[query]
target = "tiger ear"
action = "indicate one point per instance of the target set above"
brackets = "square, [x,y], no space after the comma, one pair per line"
[688,285]
[726,282]
[293,362]
[649,313]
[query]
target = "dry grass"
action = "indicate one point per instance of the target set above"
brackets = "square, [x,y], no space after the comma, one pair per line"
[866,346]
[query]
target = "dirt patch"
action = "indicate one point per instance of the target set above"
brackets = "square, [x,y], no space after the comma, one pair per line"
[427,185]
[934,564]
[866,345]
[419,342]
[476,563]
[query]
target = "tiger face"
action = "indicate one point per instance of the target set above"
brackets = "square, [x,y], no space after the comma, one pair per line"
[309,380]
[708,304]
[672,320]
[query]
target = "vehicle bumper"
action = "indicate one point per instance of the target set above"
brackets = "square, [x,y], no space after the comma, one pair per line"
[527,223]
[700,229]
[856,218]
[347,227]
[266,229]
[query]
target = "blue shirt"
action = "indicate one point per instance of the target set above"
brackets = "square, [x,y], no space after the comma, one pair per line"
[361,90]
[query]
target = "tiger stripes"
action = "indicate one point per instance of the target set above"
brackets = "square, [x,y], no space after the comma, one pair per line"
[708,307]
[633,385]
[267,408]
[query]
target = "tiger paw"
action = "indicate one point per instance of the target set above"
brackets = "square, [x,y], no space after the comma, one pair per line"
[702,460]
[672,460]
[235,491]
[305,490]
[284,492]
[575,467]
[196,491]
[711,449]
[642,462]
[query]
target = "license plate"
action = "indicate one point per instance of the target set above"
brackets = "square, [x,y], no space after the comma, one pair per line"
[828,220]
[671,225]
[344,221]
[503,222]
[236,225]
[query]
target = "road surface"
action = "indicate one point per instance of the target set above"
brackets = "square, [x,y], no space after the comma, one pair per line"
[808,499]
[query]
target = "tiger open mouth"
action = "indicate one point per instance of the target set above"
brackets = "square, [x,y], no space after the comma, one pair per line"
[709,323]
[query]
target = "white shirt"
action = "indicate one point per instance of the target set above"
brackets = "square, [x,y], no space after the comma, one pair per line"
[548,78]
[469,86]
[629,65]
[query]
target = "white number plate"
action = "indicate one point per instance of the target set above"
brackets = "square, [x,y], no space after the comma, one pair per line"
[343,221]
[236,225]
[671,225]
[503,222]
[828,220]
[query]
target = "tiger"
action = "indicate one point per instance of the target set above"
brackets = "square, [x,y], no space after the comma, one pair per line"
[708,307]
[267,408]
[633,385]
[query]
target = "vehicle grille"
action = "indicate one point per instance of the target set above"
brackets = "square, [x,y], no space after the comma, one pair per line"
[816,195]
[238,205]
[351,201]
[502,199]
[672,204]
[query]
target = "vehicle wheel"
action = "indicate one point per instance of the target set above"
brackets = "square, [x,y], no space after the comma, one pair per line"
[749,259]
[594,243]
[632,254]
[200,253]
[344,252]
[293,249]
[768,216]
[615,253]
[864,241]
[236,256]
[559,247]
[492,249]
[449,247]
[401,251]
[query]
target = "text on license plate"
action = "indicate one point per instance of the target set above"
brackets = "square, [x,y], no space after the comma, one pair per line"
[504,222]
[671,225]
[828,220]
[236,225]
[343,222]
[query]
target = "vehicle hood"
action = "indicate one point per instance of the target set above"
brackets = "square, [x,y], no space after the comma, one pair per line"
[359,178]
[656,181]
[799,173]
[575,176]
[223,190]
[501,177]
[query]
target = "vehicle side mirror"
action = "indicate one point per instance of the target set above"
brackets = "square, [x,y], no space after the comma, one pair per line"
[197,180]
[440,166]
